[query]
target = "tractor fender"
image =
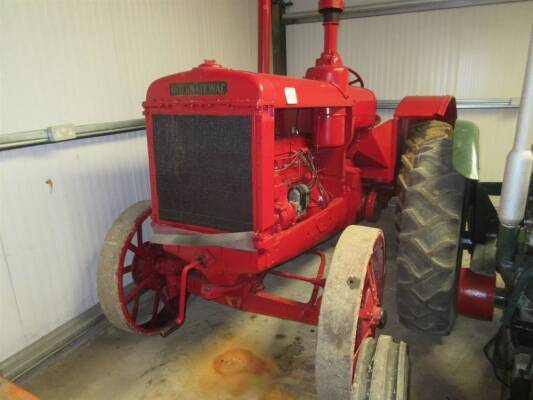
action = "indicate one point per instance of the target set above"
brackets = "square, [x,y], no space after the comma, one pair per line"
[443,108]
[427,107]
[465,157]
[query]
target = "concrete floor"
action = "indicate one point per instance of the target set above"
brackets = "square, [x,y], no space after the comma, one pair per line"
[111,364]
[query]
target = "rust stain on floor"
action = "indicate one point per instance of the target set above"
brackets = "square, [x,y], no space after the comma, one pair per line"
[235,369]
[240,361]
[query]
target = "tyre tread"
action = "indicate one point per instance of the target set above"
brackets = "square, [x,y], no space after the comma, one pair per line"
[428,220]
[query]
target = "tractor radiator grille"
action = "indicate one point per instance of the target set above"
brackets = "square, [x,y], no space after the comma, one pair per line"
[203,170]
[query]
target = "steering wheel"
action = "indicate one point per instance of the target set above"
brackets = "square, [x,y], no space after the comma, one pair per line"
[357,79]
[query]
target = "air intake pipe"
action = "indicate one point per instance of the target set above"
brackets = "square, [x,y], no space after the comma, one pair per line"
[517,173]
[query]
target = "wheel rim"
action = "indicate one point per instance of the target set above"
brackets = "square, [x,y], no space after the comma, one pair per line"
[371,298]
[142,289]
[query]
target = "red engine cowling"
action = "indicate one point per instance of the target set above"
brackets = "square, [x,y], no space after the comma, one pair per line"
[233,151]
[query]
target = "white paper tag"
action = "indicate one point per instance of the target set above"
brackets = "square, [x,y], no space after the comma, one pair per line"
[290,95]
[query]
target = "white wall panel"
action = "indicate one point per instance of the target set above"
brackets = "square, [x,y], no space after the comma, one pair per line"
[79,62]
[472,53]
[89,61]
[51,235]
[11,332]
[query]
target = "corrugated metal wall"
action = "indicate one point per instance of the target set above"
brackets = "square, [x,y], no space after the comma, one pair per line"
[86,62]
[472,53]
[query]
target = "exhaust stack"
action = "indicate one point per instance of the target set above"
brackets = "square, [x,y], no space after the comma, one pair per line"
[264,9]
[520,159]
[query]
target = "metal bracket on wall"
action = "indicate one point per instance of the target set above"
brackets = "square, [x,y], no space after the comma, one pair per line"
[60,133]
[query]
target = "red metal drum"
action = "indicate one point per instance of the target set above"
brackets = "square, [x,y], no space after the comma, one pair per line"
[475,295]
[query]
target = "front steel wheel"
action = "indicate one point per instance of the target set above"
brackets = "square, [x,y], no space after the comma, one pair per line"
[132,292]
[350,314]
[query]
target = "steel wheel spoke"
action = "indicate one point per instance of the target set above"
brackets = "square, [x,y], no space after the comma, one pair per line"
[137,290]
[165,301]
[126,270]
[136,250]
[155,307]
[135,310]
[140,235]
[373,283]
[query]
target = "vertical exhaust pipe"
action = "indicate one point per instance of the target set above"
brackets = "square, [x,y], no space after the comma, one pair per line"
[520,159]
[331,11]
[264,11]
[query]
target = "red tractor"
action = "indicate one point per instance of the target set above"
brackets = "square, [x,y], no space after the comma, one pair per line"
[249,170]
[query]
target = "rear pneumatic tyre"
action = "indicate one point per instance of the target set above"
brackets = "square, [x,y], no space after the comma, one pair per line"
[428,222]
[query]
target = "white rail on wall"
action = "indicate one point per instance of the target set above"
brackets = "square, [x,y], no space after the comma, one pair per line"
[70,132]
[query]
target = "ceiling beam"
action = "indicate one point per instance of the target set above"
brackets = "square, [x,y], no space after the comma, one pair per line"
[390,7]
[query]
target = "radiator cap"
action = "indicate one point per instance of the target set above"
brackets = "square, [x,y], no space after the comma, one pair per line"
[210,64]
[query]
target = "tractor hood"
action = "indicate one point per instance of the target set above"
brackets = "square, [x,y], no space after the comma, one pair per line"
[210,83]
